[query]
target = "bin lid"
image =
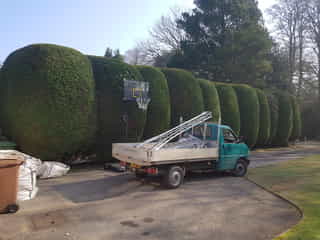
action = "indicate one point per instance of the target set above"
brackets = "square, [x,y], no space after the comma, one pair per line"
[6,163]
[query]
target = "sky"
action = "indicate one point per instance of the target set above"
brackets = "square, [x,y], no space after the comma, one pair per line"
[89,26]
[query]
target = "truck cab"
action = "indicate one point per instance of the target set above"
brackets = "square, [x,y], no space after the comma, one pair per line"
[231,147]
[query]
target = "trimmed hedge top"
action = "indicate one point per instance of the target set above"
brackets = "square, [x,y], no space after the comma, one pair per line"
[265,121]
[249,113]
[158,116]
[185,95]
[118,121]
[210,98]
[48,103]
[229,106]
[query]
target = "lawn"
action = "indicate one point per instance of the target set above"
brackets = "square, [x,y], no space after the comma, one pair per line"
[299,182]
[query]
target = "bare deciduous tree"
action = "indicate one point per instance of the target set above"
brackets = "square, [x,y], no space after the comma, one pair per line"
[291,27]
[165,36]
[314,29]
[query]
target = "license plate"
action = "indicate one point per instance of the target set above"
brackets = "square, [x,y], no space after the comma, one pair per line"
[133,165]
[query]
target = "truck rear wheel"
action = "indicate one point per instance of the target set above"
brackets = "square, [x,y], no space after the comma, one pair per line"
[173,177]
[241,169]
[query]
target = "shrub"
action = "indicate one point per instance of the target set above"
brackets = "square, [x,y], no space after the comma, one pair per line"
[210,98]
[265,122]
[158,115]
[296,130]
[274,114]
[249,113]
[185,95]
[310,120]
[118,120]
[48,103]
[229,106]
[285,123]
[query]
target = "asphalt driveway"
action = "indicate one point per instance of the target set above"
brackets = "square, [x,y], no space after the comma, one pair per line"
[95,204]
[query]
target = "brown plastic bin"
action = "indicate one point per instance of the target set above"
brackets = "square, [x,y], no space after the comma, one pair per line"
[9,172]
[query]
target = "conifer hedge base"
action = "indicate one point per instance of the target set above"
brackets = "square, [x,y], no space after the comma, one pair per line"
[185,95]
[48,102]
[210,98]
[158,115]
[249,113]
[118,121]
[229,106]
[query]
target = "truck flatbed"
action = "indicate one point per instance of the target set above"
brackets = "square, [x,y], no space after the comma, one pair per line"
[129,152]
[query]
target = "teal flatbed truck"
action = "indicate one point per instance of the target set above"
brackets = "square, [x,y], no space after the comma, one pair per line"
[193,145]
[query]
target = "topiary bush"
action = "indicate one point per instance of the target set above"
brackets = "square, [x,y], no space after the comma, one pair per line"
[249,113]
[118,120]
[285,123]
[185,95]
[310,120]
[274,114]
[48,101]
[158,115]
[265,121]
[229,106]
[210,98]
[297,125]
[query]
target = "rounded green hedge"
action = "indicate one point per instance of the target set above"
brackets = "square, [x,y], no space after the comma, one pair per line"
[48,101]
[265,121]
[185,95]
[210,98]
[274,114]
[229,106]
[118,120]
[285,123]
[310,121]
[158,114]
[249,113]
[297,125]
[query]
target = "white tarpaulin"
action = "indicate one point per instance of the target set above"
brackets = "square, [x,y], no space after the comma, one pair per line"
[31,169]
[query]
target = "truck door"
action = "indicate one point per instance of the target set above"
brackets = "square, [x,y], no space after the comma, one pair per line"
[229,150]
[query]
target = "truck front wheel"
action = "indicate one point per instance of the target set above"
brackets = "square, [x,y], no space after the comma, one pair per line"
[241,168]
[173,177]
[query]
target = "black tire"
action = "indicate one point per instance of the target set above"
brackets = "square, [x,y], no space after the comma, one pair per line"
[12,208]
[173,177]
[241,168]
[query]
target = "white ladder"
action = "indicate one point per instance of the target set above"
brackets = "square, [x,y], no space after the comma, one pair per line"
[166,137]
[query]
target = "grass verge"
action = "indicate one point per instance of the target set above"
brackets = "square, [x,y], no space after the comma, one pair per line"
[299,182]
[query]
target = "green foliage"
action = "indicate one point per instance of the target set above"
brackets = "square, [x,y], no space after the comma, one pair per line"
[265,121]
[274,114]
[48,101]
[158,116]
[297,125]
[285,123]
[230,114]
[310,121]
[225,40]
[210,98]
[185,95]
[118,121]
[249,113]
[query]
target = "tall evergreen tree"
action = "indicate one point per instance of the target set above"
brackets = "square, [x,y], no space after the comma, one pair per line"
[225,41]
